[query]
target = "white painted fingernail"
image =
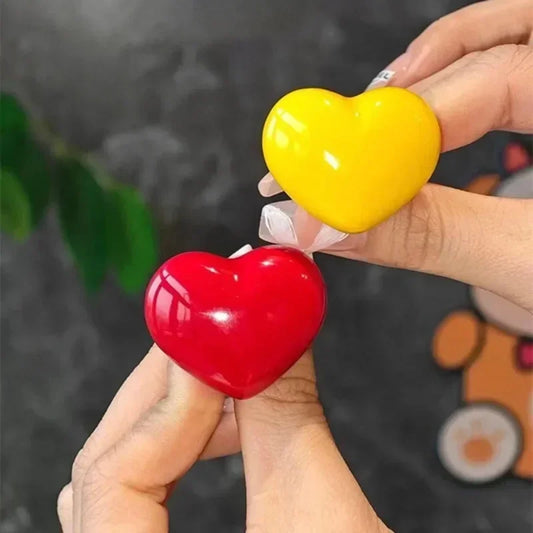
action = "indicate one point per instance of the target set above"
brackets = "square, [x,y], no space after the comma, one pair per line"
[381,80]
[398,70]
[241,251]
[268,186]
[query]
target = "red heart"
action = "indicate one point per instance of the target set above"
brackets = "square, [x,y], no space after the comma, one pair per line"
[236,324]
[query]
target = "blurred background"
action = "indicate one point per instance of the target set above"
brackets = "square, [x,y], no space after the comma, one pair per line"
[156,109]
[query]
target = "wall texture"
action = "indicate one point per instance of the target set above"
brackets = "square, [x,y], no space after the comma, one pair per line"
[171,95]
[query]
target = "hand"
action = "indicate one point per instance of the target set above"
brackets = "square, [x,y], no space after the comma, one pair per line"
[296,478]
[163,420]
[157,426]
[475,68]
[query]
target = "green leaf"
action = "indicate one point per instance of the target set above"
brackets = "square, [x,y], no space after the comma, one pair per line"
[13,129]
[82,215]
[34,174]
[21,155]
[130,238]
[15,215]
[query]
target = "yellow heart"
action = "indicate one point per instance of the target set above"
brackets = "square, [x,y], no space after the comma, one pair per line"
[351,162]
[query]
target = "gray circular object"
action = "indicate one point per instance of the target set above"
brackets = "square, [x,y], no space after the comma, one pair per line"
[519,185]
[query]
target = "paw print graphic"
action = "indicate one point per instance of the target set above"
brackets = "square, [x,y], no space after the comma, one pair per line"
[492,433]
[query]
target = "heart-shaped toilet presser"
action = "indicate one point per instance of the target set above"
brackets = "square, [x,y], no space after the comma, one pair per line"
[351,162]
[239,323]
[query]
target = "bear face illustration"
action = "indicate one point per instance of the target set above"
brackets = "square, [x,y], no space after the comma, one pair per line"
[493,432]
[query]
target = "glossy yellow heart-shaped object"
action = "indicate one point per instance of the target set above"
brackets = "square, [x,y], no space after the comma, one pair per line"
[351,161]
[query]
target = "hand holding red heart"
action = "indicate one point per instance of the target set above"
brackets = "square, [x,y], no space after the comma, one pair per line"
[163,420]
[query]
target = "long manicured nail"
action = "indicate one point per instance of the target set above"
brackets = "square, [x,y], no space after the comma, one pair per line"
[306,228]
[286,223]
[276,225]
[381,80]
[241,251]
[393,73]
[268,186]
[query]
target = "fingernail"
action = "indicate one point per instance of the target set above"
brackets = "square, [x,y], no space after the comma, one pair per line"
[275,224]
[288,224]
[306,228]
[394,72]
[241,251]
[229,405]
[268,186]
[401,63]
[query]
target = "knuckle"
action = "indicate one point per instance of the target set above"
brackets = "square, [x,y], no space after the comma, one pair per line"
[422,230]
[290,401]
[97,490]
[521,58]
[450,26]
[436,237]
[96,479]
[505,56]
[94,475]
[86,463]
[511,62]
[292,390]
[442,26]
[437,32]
[81,464]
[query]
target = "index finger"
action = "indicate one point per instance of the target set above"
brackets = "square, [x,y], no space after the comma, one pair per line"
[477,27]
[482,92]
[126,488]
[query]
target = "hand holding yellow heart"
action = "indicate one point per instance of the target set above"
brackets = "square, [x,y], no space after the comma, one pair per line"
[351,162]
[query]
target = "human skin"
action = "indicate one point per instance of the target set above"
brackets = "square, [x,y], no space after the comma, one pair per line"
[475,68]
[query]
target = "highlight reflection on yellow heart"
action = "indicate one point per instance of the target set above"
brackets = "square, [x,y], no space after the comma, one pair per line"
[351,161]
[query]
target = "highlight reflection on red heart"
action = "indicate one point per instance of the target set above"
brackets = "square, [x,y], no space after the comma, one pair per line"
[236,324]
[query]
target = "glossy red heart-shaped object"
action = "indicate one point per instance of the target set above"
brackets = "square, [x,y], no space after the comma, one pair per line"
[237,324]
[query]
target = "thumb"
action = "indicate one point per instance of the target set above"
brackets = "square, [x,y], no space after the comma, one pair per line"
[480,240]
[296,478]
[274,424]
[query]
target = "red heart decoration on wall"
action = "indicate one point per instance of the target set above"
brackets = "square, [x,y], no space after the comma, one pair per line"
[236,324]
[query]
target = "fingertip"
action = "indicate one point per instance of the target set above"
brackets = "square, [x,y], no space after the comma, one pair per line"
[476,27]
[65,508]
[225,439]
[229,405]
[268,186]
[190,398]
